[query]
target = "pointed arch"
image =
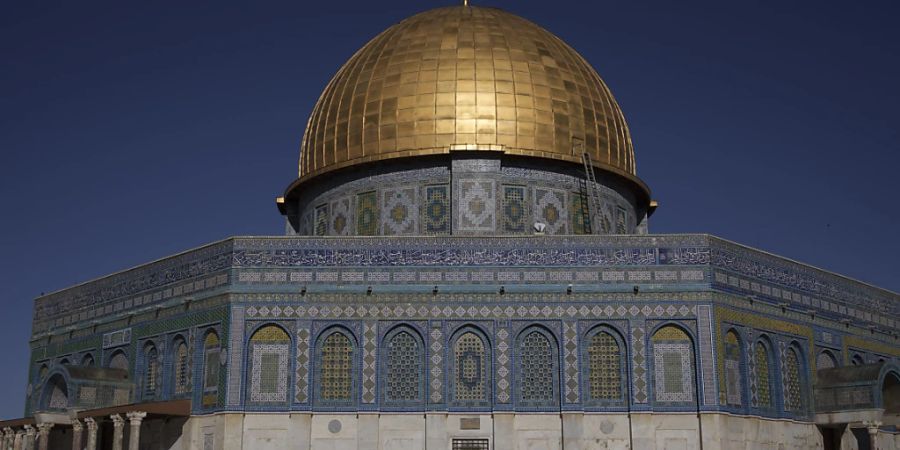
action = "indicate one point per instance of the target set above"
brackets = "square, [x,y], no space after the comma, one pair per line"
[87,360]
[890,390]
[603,362]
[212,360]
[734,380]
[180,366]
[269,362]
[335,373]
[56,393]
[470,368]
[151,378]
[793,379]
[403,367]
[857,360]
[538,368]
[118,360]
[762,388]
[674,374]
[826,360]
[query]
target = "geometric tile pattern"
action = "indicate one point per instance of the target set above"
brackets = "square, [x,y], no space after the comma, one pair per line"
[477,205]
[404,368]
[269,360]
[707,357]
[604,368]
[235,349]
[793,387]
[570,357]
[536,370]
[370,358]
[151,372]
[437,209]
[399,212]
[470,368]
[302,370]
[437,365]
[269,372]
[336,368]
[673,366]
[503,366]
[551,211]
[514,217]
[762,396]
[639,362]
[733,385]
[367,214]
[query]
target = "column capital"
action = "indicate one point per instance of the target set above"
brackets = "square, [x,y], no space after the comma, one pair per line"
[90,423]
[118,421]
[44,428]
[136,417]
[29,430]
[76,425]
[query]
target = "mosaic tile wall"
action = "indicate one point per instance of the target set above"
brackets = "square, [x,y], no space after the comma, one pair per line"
[486,198]
[267,276]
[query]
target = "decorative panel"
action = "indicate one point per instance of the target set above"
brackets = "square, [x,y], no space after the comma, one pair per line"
[477,205]
[437,209]
[550,209]
[321,220]
[367,214]
[673,362]
[514,209]
[733,384]
[399,212]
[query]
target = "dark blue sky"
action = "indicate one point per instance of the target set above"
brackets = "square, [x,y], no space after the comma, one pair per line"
[133,130]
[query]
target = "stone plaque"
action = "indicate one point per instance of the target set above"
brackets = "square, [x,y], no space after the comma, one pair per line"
[469,423]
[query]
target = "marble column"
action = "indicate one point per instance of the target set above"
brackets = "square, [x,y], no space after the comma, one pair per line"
[872,427]
[43,439]
[91,425]
[19,439]
[8,437]
[76,434]
[118,431]
[134,435]
[28,442]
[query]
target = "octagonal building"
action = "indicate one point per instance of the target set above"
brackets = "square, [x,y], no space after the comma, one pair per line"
[466,265]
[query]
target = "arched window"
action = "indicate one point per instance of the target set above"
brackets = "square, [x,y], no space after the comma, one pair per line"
[57,393]
[42,372]
[673,359]
[733,380]
[87,360]
[471,368]
[403,367]
[761,374]
[211,362]
[269,361]
[857,360]
[793,385]
[64,362]
[825,360]
[336,369]
[118,361]
[537,369]
[151,371]
[180,363]
[604,368]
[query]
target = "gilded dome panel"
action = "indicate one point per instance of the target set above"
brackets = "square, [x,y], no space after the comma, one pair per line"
[465,78]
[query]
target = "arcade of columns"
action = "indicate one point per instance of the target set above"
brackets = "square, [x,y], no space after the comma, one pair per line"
[37,437]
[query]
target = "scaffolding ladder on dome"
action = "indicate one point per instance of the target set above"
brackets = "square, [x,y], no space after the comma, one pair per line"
[593,196]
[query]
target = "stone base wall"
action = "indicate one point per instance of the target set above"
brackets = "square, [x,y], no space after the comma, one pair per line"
[503,431]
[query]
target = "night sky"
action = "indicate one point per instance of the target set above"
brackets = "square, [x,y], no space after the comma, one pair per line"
[130,131]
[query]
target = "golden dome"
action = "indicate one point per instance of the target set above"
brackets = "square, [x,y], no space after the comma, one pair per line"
[466,78]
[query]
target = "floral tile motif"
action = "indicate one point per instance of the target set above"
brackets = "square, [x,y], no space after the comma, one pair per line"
[367,214]
[437,209]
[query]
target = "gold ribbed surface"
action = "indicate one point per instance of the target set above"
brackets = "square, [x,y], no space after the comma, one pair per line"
[461,77]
